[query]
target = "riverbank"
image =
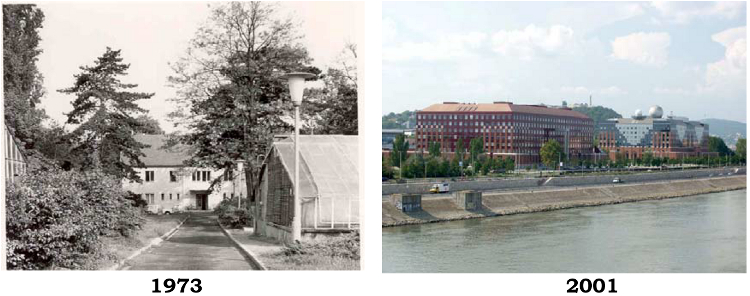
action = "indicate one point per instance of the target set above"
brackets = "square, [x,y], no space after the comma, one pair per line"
[497,204]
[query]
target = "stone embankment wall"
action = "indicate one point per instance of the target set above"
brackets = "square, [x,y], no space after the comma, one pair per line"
[503,184]
[494,204]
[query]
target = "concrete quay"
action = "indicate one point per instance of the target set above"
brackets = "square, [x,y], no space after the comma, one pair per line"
[541,199]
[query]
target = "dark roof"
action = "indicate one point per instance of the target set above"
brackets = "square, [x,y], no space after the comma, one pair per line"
[156,155]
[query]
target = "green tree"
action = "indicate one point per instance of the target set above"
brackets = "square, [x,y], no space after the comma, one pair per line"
[433,167]
[387,168]
[230,97]
[22,81]
[550,153]
[742,149]
[476,148]
[510,164]
[103,110]
[460,150]
[400,149]
[434,149]
[716,144]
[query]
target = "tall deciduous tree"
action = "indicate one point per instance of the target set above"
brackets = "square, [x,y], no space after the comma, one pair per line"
[742,148]
[22,82]
[716,144]
[104,111]
[476,148]
[434,149]
[460,150]
[229,94]
[550,153]
[400,148]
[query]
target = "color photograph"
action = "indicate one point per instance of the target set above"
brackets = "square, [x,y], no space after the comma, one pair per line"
[564,137]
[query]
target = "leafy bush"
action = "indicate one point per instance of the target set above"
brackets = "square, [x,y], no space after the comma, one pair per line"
[344,245]
[230,215]
[56,218]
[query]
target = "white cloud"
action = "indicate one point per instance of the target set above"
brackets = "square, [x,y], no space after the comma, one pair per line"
[642,48]
[581,90]
[730,71]
[533,41]
[447,47]
[389,30]
[672,91]
[684,12]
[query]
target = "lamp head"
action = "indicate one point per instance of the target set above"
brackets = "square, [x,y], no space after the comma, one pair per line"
[297,85]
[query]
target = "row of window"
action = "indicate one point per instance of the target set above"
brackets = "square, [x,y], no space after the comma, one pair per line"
[517,117]
[151,198]
[197,176]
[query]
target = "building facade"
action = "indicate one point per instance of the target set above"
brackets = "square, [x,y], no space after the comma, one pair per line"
[507,129]
[671,137]
[167,182]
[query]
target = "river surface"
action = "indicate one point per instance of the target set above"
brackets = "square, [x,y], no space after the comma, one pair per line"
[702,233]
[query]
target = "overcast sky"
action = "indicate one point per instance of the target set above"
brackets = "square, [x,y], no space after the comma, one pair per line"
[153,34]
[688,57]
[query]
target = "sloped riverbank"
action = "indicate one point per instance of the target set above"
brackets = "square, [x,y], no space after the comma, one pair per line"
[496,204]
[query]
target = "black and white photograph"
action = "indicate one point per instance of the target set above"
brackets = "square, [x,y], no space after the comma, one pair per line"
[182,135]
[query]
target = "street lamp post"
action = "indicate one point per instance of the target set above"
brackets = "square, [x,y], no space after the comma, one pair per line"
[296,90]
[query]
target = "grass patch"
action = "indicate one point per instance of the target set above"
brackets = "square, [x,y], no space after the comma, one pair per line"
[120,247]
[330,253]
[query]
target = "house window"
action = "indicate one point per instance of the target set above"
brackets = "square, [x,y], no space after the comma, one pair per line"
[172,176]
[170,196]
[162,196]
[225,195]
[150,198]
[149,176]
[178,196]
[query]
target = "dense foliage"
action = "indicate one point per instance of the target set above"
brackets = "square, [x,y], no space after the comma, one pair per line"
[232,216]
[57,218]
[22,81]
[344,245]
[716,144]
[598,113]
[399,120]
[551,152]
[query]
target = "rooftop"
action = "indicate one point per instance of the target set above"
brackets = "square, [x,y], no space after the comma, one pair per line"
[158,156]
[504,107]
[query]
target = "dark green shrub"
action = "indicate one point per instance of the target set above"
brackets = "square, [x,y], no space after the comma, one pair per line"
[56,218]
[344,245]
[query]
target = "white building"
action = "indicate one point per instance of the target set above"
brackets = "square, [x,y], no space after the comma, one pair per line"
[169,183]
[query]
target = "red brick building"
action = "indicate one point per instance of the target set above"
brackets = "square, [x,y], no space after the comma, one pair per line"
[507,129]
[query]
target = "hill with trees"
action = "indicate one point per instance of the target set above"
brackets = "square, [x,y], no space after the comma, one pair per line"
[399,120]
[598,113]
[727,130]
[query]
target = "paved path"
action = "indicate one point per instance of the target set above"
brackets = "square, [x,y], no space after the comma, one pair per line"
[199,244]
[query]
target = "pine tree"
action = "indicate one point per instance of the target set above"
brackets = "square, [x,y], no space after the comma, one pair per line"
[105,112]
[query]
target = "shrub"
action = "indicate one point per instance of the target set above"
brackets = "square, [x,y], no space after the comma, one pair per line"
[230,215]
[56,218]
[344,245]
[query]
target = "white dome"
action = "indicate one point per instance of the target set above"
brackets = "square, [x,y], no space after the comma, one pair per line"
[655,111]
[638,113]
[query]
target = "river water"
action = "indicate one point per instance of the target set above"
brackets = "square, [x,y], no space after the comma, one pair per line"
[702,233]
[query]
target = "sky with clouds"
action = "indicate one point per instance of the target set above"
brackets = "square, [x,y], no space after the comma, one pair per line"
[688,57]
[153,34]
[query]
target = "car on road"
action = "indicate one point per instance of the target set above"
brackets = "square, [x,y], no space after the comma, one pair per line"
[159,210]
[440,188]
[617,180]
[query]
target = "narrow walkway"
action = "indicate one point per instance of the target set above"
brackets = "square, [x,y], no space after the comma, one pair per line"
[198,245]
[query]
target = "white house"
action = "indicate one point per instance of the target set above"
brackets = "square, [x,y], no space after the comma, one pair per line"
[169,183]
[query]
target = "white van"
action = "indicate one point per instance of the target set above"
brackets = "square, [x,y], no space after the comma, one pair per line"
[440,188]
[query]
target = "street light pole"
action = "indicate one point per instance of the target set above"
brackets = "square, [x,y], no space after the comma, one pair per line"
[296,90]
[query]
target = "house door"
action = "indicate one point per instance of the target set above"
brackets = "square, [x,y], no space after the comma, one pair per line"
[201,201]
